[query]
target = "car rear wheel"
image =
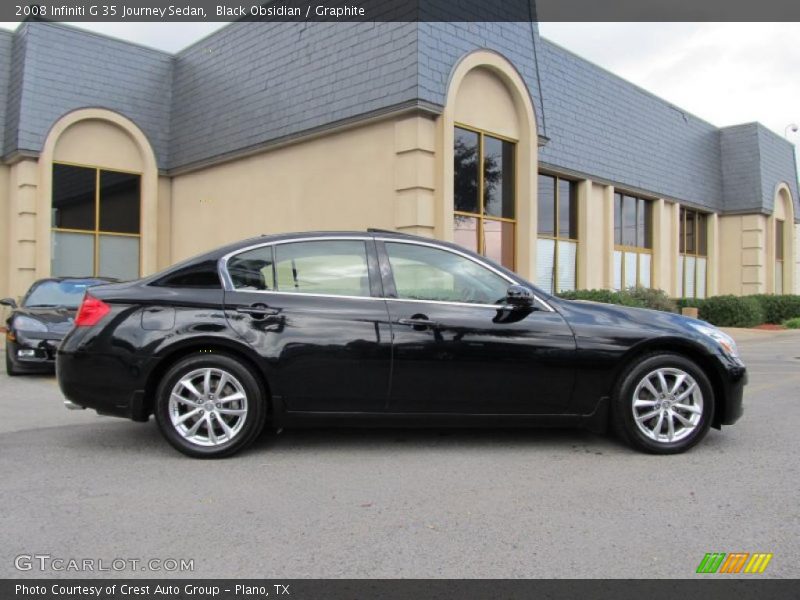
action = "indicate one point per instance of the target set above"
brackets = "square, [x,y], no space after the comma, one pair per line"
[210,406]
[663,404]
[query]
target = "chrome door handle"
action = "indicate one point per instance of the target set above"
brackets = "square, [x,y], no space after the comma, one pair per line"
[420,323]
[257,311]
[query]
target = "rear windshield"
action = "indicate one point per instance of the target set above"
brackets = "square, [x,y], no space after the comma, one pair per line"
[59,293]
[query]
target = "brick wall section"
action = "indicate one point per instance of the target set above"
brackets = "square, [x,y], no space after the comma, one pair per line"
[602,125]
[246,84]
[6,40]
[67,69]
[442,45]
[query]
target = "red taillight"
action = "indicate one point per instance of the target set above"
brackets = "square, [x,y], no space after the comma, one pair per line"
[91,311]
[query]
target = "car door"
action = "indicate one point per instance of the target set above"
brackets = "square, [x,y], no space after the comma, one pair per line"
[312,309]
[459,348]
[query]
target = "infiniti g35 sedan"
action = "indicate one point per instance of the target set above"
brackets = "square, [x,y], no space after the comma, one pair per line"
[379,328]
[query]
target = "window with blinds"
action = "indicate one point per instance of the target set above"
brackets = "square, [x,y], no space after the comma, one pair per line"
[557,244]
[693,258]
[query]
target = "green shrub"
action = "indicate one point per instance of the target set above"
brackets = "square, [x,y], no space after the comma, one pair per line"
[653,298]
[637,297]
[732,311]
[689,302]
[792,323]
[778,308]
[605,296]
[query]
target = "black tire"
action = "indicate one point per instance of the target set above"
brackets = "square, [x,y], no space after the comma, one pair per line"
[11,370]
[622,415]
[253,420]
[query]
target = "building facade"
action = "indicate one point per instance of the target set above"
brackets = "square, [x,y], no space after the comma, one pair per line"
[120,160]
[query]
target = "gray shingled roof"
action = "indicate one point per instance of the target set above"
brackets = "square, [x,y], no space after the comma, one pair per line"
[248,85]
[66,69]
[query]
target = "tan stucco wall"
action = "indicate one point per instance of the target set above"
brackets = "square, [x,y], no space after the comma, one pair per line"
[484,101]
[164,223]
[4,241]
[797,259]
[21,226]
[96,142]
[595,235]
[664,274]
[346,180]
[743,255]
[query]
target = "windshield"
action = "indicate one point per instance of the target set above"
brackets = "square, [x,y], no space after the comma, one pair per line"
[67,293]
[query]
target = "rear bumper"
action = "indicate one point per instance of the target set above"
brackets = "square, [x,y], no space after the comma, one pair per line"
[116,392]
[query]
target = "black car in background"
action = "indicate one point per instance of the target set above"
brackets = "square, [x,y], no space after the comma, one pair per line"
[377,328]
[36,327]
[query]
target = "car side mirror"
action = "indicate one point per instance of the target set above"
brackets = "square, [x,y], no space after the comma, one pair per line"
[10,302]
[519,297]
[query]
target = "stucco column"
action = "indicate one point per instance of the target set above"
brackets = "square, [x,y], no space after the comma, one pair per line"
[415,175]
[755,244]
[23,249]
[663,259]
[607,198]
[742,254]
[796,242]
[164,223]
[592,235]
[4,229]
[712,269]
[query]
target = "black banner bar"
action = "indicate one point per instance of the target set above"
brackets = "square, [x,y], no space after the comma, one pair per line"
[712,587]
[400,10]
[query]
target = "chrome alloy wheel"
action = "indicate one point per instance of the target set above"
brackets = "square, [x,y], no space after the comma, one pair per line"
[208,407]
[667,405]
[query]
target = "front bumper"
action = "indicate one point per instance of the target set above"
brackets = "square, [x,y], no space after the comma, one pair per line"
[34,354]
[731,409]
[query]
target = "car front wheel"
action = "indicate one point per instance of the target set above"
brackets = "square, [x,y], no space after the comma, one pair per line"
[210,406]
[663,404]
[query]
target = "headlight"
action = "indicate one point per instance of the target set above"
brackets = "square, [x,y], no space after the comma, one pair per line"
[23,323]
[723,339]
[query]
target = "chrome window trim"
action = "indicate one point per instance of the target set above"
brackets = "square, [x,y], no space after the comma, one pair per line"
[227,283]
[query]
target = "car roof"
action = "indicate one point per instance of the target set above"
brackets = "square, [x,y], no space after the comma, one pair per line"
[221,251]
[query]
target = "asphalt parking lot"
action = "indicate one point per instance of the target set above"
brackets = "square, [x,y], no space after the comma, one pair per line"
[399,503]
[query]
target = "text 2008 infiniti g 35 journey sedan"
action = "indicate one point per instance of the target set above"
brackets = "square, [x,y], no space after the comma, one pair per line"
[383,328]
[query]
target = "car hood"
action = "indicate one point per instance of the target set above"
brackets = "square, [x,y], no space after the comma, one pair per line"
[57,320]
[651,323]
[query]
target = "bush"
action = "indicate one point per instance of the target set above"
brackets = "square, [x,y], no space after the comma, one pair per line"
[636,297]
[780,308]
[689,302]
[792,323]
[732,311]
[605,296]
[653,298]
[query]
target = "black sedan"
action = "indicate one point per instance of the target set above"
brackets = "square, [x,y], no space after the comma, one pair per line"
[380,328]
[36,327]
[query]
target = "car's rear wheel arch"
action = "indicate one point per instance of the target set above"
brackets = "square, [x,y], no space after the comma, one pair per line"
[171,357]
[687,350]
